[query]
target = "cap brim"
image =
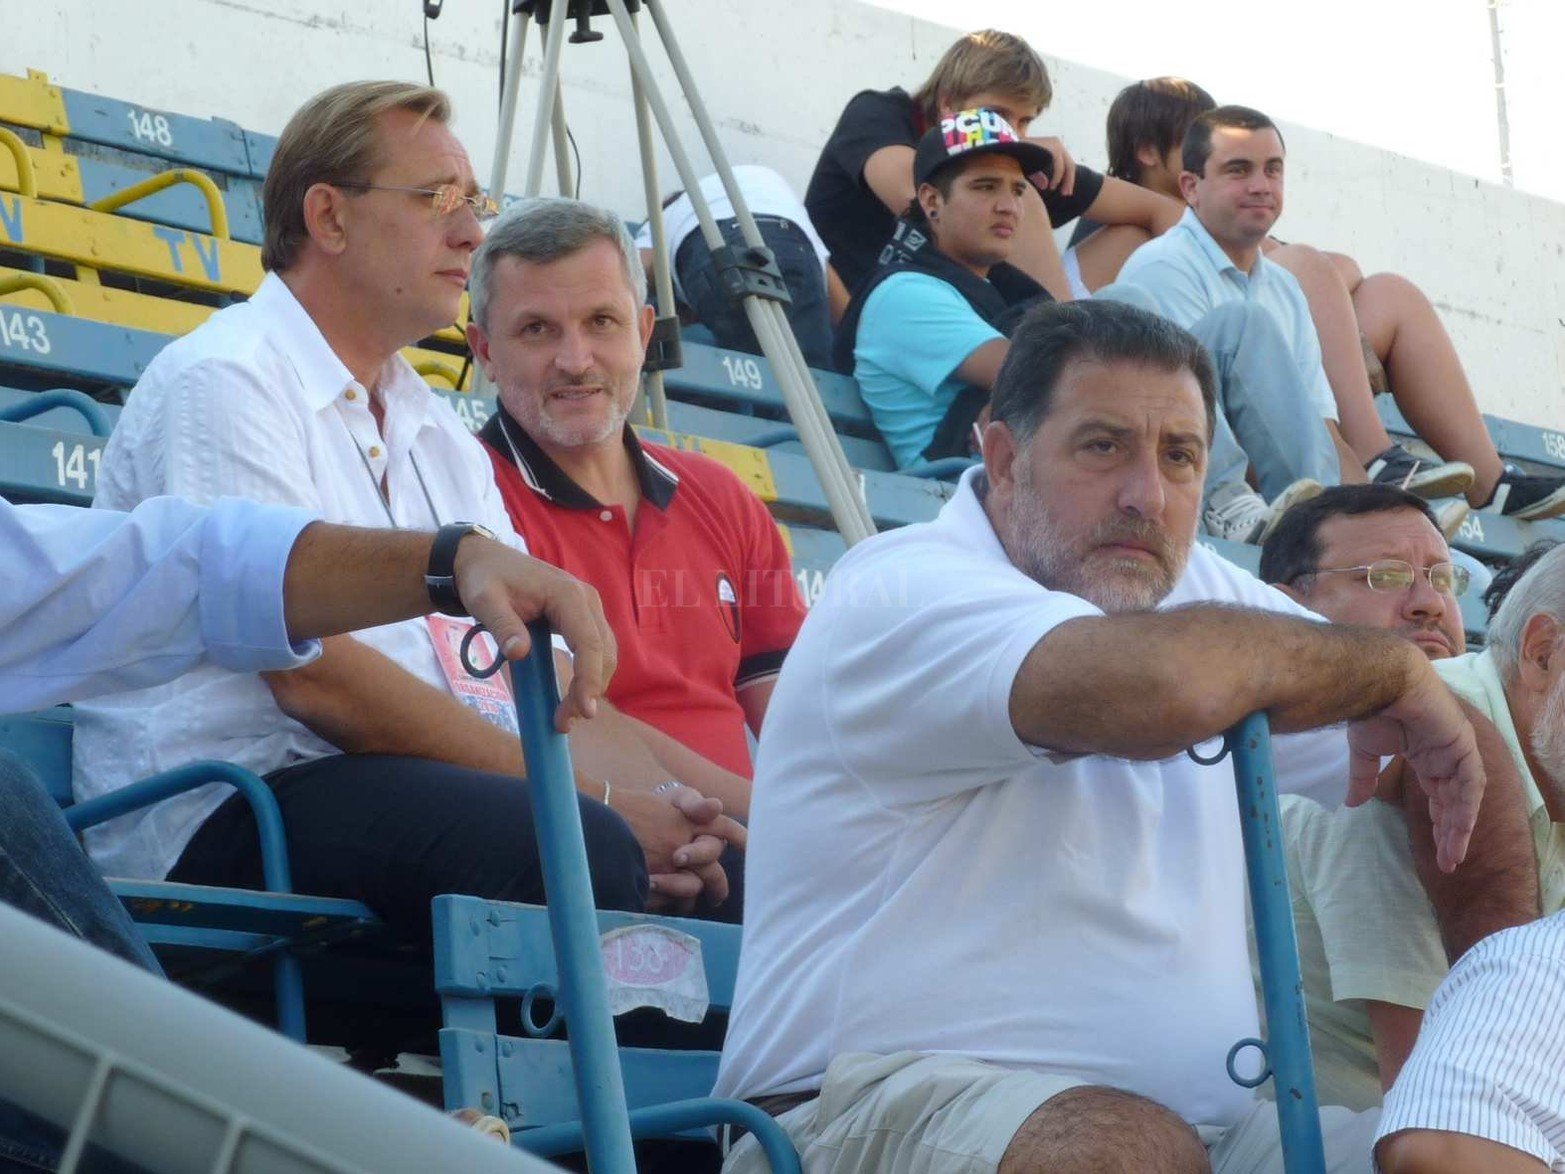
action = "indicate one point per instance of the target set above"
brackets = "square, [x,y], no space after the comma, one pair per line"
[1036,163]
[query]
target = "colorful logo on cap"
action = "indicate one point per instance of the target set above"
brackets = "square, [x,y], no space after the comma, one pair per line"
[978,127]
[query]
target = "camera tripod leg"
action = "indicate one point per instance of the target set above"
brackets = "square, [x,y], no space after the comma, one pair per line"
[838,480]
[548,91]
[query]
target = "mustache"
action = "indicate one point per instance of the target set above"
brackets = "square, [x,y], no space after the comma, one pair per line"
[1139,531]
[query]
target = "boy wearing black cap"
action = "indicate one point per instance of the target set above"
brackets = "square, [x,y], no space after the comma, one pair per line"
[927,330]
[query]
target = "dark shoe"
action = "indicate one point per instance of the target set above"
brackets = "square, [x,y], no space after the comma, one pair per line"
[1525,497]
[1396,466]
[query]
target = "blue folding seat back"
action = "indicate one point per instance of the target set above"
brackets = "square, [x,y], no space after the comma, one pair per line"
[493,951]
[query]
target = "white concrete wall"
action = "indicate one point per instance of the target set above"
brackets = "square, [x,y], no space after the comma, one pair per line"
[775,76]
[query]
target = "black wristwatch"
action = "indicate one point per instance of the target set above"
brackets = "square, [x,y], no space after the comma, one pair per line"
[440,578]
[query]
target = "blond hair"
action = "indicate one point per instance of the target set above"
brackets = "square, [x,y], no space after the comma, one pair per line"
[987,61]
[332,138]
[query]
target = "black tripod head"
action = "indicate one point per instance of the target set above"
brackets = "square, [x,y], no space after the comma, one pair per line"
[581,11]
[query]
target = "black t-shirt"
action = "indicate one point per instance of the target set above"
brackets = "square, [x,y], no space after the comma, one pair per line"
[850,218]
[1085,227]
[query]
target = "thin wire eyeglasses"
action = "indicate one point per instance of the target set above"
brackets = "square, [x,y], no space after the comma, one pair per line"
[1392,574]
[445,198]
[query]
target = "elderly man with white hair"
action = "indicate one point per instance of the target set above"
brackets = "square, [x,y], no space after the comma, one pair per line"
[1484,1089]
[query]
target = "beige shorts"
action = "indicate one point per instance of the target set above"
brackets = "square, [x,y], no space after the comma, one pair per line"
[911,1113]
[908,1112]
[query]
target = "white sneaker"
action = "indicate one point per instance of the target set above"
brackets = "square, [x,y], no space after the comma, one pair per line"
[1235,512]
[1449,515]
[1301,490]
[1239,514]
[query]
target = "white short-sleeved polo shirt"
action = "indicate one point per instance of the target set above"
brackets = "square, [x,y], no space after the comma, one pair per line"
[920,879]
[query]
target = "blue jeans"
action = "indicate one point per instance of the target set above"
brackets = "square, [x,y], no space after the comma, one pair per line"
[1266,418]
[45,873]
[809,314]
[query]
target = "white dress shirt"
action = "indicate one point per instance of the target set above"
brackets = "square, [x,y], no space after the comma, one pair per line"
[1490,1058]
[94,602]
[255,403]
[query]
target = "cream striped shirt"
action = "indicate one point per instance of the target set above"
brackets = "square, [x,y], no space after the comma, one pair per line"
[1490,1060]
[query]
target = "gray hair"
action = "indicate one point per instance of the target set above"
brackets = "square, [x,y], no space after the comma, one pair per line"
[1540,590]
[540,229]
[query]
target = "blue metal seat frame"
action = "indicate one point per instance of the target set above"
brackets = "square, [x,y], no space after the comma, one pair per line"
[42,740]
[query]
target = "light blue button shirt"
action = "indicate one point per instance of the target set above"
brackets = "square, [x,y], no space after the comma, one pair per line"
[104,601]
[1189,275]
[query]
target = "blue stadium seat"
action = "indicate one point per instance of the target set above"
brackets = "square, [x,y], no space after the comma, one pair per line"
[202,933]
[491,951]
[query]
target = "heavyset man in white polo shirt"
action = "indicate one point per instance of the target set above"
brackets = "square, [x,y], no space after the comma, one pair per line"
[996,915]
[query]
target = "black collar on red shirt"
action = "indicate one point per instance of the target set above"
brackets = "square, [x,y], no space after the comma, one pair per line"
[503,434]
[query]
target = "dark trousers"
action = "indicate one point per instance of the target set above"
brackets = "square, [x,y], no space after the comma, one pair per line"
[809,315]
[396,832]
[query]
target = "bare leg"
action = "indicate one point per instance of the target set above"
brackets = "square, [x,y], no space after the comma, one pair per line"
[1341,352]
[1348,269]
[1096,1130]
[1429,1151]
[1426,376]
[1103,253]
[1352,469]
[1037,254]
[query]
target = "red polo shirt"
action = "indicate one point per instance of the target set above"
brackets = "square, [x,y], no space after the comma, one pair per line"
[701,595]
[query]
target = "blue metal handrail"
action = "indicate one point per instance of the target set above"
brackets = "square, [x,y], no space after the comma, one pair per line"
[607,1126]
[1286,1050]
[276,875]
[573,924]
[59,397]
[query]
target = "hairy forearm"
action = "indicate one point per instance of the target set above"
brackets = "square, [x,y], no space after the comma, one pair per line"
[1147,685]
[344,578]
[363,702]
[1497,885]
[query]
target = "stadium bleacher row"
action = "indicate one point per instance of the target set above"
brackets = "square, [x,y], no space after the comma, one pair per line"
[93,286]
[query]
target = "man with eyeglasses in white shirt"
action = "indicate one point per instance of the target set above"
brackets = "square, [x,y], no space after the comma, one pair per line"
[395,778]
[1373,555]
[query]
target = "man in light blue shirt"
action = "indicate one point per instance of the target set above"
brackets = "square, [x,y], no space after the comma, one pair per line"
[1208,275]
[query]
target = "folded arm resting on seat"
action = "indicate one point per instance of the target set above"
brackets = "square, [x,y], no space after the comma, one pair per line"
[1147,685]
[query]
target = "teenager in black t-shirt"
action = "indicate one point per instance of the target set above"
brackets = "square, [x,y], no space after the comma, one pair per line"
[864,178]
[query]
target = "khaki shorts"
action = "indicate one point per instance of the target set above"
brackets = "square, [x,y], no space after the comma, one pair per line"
[910,1113]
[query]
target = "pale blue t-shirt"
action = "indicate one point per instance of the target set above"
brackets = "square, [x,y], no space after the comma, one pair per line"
[916,330]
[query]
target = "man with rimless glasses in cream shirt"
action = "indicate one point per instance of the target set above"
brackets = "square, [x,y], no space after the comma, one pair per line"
[1372,555]
[392,789]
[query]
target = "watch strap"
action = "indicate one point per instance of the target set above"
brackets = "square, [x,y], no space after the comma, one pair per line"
[440,576]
